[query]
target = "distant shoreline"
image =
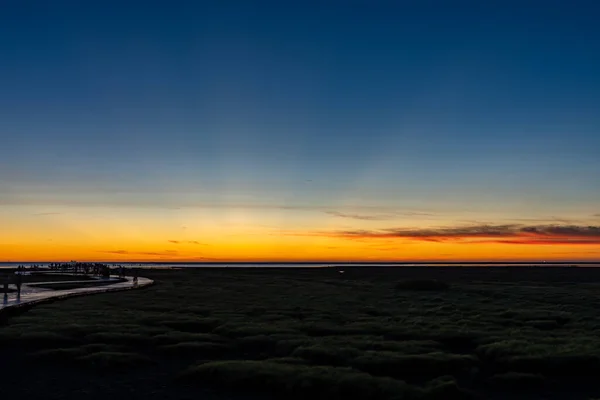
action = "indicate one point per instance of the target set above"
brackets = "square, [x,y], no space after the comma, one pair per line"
[331,263]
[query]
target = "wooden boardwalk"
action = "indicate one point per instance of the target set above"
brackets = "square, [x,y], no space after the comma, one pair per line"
[31,294]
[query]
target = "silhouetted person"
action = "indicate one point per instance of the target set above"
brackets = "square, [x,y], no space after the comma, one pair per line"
[18,283]
[135,276]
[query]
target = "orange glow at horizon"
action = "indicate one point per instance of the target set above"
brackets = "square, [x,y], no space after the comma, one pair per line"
[294,250]
[254,236]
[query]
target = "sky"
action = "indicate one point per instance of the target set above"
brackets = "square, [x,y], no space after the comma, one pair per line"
[299,130]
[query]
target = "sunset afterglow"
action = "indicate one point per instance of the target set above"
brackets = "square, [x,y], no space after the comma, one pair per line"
[383,132]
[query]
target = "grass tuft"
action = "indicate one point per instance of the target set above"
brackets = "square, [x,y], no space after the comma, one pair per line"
[111,360]
[299,381]
[422,285]
[195,349]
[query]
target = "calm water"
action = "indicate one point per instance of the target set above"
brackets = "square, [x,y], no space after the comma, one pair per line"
[315,265]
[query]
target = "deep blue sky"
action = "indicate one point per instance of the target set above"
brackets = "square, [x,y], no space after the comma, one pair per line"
[403,103]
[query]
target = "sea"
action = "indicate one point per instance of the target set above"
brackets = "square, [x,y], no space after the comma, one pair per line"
[167,265]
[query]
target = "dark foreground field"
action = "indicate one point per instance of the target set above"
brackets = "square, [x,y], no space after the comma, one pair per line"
[370,333]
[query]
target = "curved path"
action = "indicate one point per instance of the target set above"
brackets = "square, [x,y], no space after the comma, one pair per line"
[31,294]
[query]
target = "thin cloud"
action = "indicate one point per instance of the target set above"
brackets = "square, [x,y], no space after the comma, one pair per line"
[417,214]
[359,216]
[187,242]
[503,234]
[549,220]
[128,200]
[541,241]
[141,253]
[47,213]
[171,254]
[388,248]
[382,217]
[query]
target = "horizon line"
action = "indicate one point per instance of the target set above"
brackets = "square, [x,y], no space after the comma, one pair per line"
[438,262]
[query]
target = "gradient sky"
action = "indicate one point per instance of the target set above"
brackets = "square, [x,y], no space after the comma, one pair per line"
[299,130]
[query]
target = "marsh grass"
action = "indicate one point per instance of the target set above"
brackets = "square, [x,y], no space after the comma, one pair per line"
[422,285]
[381,333]
[299,381]
[113,360]
[195,350]
[517,381]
